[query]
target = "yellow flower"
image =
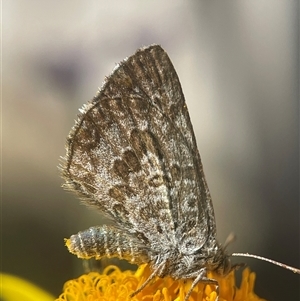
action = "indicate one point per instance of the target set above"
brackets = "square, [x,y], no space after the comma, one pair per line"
[115,285]
[14,288]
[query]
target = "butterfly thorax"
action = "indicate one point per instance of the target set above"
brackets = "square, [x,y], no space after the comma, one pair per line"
[185,265]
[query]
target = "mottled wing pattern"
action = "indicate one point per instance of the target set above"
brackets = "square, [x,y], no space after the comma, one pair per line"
[132,154]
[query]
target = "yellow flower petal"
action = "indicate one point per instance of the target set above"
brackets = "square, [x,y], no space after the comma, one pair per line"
[14,288]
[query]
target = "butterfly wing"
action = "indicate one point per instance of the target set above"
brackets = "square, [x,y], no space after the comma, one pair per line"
[132,154]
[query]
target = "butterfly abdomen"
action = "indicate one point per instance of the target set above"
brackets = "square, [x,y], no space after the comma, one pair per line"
[105,241]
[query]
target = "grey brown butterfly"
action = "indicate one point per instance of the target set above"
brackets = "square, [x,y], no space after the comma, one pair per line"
[132,155]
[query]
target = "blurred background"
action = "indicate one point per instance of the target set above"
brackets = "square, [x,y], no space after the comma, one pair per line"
[238,66]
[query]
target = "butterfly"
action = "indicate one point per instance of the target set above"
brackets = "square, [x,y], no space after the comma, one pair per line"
[132,155]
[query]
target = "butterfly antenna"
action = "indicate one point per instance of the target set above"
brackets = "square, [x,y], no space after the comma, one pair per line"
[295,270]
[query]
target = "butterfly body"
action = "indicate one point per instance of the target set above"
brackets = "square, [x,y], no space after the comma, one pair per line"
[109,241]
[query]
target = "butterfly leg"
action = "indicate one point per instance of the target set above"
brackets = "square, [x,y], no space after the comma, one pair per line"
[201,277]
[156,272]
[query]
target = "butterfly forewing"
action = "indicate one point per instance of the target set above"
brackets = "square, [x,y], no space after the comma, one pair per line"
[132,154]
